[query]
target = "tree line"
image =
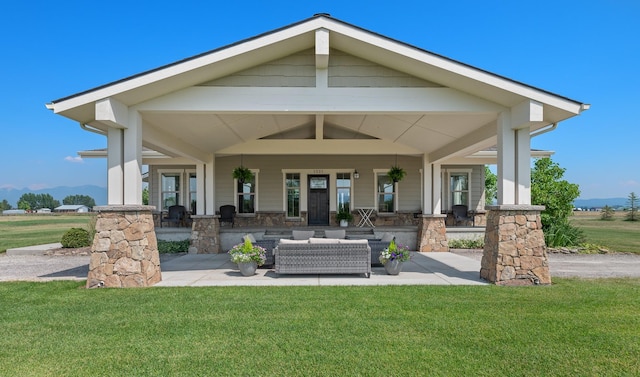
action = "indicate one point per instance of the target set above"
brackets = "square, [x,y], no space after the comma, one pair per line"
[34,202]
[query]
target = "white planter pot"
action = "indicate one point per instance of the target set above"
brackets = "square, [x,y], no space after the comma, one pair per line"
[344,223]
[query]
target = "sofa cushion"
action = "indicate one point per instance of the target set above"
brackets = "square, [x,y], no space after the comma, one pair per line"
[339,233]
[365,242]
[302,234]
[324,240]
[250,237]
[297,242]
[387,237]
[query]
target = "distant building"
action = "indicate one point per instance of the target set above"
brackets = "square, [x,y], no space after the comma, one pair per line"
[14,212]
[78,208]
[44,210]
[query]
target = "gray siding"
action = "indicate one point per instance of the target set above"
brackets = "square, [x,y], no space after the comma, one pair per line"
[297,70]
[271,187]
[349,71]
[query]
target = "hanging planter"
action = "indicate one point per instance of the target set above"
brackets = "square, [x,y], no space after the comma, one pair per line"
[396,173]
[242,174]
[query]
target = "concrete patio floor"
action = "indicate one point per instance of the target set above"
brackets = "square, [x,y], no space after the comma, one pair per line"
[199,270]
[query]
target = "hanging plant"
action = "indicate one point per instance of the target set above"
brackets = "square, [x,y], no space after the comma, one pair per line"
[396,173]
[242,174]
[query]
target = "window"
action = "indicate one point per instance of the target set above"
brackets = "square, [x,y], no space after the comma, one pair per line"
[343,186]
[459,185]
[192,192]
[386,194]
[293,194]
[170,195]
[246,195]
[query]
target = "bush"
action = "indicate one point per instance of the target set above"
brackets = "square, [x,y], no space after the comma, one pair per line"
[173,247]
[563,234]
[607,213]
[477,243]
[76,237]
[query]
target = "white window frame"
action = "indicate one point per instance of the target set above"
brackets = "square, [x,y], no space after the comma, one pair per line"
[396,192]
[452,172]
[188,192]
[256,173]
[180,196]
[335,180]
[286,191]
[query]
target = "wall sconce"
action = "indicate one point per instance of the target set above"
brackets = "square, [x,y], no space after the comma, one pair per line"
[356,175]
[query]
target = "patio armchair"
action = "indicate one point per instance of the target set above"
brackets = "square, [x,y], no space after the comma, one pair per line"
[175,215]
[227,214]
[460,214]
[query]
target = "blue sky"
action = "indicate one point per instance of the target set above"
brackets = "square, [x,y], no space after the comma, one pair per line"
[585,50]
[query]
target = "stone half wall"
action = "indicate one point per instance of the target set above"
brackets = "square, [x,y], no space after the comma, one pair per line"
[515,252]
[124,252]
[278,219]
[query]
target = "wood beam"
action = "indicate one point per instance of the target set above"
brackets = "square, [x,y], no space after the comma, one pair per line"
[258,100]
[326,147]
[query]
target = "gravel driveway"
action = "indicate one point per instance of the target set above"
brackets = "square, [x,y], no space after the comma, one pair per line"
[583,265]
[46,268]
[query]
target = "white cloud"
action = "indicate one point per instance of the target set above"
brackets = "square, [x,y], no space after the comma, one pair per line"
[77,159]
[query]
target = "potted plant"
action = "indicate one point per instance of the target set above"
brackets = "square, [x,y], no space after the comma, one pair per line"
[344,216]
[248,257]
[242,174]
[393,256]
[396,173]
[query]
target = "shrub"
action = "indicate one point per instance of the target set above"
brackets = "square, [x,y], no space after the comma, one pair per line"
[76,237]
[173,247]
[477,243]
[563,234]
[607,213]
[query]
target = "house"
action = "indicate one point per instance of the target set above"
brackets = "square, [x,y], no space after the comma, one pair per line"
[78,208]
[319,111]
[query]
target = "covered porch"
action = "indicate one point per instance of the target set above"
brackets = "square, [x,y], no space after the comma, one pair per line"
[317,112]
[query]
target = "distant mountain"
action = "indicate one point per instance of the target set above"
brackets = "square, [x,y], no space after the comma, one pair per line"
[599,203]
[99,194]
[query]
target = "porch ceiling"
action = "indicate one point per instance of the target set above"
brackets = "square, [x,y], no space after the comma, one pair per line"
[240,133]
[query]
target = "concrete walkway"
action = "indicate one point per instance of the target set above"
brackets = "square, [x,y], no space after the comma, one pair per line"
[199,270]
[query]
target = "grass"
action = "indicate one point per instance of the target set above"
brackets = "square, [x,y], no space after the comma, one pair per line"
[617,234]
[29,230]
[575,327]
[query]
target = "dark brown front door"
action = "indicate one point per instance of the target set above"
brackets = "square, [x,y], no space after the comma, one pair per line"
[318,206]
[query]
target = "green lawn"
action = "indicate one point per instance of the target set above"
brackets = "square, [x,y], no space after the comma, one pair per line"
[572,328]
[29,230]
[617,234]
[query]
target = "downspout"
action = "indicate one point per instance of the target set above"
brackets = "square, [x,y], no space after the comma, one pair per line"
[89,128]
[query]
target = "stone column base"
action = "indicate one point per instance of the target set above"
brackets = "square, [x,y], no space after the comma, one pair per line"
[205,235]
[432,233]
[125,249]
[515,252]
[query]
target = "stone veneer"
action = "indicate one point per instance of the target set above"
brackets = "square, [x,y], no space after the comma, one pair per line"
[432,233]
[125,250]
[515,252]
[205,234]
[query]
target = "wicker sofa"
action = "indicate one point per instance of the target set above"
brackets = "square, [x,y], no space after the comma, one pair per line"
[323,256]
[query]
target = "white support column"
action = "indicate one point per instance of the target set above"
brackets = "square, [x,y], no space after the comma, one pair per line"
[210,186]
[427,184]
[506,160]
[523,166]
[115,170]
[200,189]
[133,160]
[436,178]
[322,58]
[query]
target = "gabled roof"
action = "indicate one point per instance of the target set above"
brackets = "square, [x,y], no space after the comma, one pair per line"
[400,117]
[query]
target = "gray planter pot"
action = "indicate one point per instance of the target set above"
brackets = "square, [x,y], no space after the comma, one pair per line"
[393,267]
[248,268]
